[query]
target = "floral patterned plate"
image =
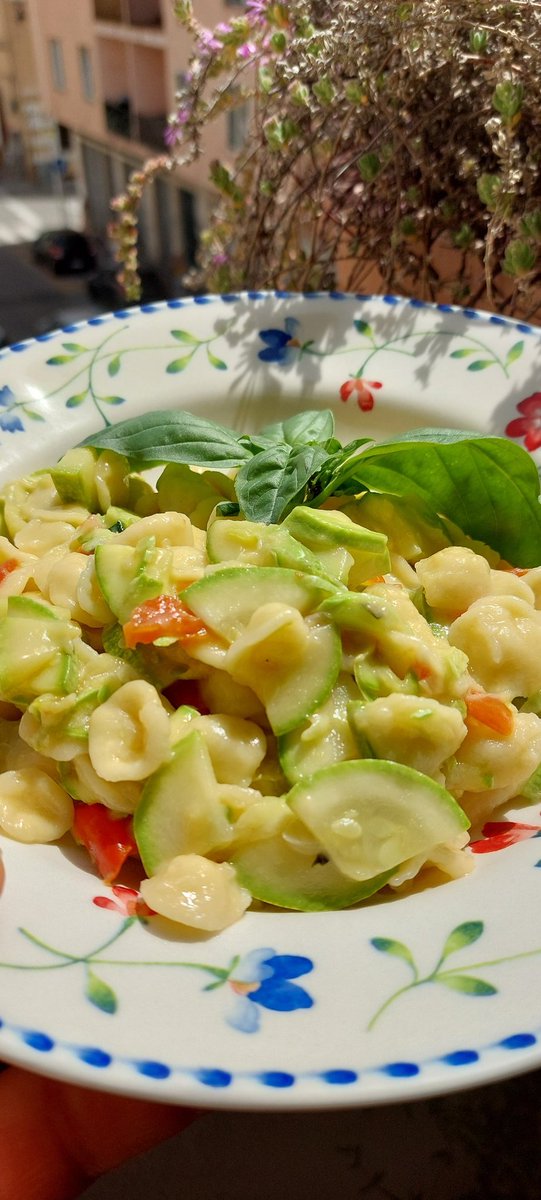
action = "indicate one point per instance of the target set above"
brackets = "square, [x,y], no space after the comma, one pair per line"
[400,999]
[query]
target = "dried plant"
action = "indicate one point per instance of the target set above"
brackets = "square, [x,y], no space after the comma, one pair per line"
[392,147]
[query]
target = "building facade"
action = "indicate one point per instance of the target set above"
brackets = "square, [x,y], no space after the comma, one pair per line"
[107,72]
[28,134]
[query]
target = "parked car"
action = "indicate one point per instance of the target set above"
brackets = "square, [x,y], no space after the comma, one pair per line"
[104,287]
[70,314]
[65,251]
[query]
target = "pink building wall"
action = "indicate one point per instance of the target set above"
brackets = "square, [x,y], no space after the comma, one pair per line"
[135,70]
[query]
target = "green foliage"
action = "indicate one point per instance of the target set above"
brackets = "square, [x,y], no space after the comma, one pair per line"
[378,132]
[488,488]
[520,258]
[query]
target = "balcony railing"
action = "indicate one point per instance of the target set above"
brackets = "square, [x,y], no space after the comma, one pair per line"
[123,121]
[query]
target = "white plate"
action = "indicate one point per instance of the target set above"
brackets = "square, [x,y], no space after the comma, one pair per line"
[282,1010]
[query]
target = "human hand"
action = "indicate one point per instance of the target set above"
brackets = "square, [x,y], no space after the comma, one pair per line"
[56,1138]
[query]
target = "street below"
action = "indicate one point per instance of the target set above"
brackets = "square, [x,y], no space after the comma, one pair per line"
[32,299]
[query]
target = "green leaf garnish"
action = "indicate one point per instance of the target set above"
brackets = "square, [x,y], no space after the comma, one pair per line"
[483,488]
[162,437]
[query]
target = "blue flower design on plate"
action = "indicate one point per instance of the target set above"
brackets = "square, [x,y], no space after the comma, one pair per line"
[281,345]
[263,979]
[10,422]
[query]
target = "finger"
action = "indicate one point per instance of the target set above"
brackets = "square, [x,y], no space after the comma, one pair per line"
[56,1138]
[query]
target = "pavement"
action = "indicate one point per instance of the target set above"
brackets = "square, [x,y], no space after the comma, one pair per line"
[24,216]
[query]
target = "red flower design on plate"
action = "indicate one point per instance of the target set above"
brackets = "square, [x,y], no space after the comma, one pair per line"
[363,389]
[529,425]
[497,835]
[128,902]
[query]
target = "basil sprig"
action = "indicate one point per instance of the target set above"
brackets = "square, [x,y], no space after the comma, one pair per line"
[488,487]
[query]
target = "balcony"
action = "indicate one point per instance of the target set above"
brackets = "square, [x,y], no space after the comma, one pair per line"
[118,118]
[134,13]
[151,130]
[123,121]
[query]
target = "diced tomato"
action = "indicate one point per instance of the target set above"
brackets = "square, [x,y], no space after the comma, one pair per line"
[164,616]
[185,691]
[505,566]
[7,567]
[108,839]
[421,670]
[491,711]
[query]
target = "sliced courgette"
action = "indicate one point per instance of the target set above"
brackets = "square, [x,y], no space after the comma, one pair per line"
[273,871]
[179,811]
[370,815]
[226,599]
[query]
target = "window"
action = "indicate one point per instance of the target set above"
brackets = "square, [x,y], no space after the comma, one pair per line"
[58,69]
[237,127]
[64,137]
[181,81]
[87,74]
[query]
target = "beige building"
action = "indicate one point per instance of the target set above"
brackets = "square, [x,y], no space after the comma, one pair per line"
[107,72]
[28,135]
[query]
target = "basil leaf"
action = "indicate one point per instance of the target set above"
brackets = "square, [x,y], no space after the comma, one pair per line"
[487,486]
[257,441]
[275,480]
[436,435]
[174,436]
[337,469]
[302,429]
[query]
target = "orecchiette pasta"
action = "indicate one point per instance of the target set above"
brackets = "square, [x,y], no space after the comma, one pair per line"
[224,691]
[168,529]
[33,808]
[501,636]
[85,784]
[417,731]
[72,584]
[197,892]
[499,765]
[453,578]
[128,735]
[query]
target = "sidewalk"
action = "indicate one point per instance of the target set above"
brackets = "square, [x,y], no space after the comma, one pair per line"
[28,210]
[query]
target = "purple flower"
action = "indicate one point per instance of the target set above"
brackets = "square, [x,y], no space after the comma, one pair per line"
[208,41]
[247,50]
[280,344]
[256,8]
[170,135]
[262,979]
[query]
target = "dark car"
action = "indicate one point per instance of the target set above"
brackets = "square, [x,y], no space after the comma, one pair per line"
[60,318]
[104,287]
[65,251]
